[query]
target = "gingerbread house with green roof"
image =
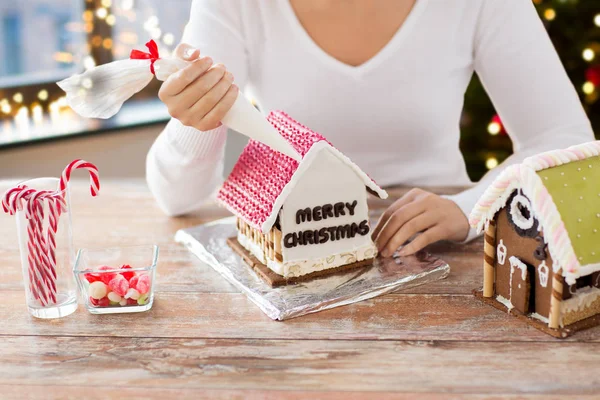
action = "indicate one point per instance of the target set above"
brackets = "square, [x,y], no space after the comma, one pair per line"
[542,240]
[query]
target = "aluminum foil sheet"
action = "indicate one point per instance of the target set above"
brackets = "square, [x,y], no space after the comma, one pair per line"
[208,243]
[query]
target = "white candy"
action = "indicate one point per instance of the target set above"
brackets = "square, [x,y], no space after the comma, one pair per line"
[112,296]
[97,290]
[132,294]
[123,302]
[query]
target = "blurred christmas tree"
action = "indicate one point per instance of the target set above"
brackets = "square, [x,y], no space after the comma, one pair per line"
[574,27]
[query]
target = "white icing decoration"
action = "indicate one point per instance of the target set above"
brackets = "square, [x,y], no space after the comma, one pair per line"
[327,180]
[543,274]
[320,180]
[517,216]
[516,263]
[539,317]
[501,252]
[581,300]
[505,302]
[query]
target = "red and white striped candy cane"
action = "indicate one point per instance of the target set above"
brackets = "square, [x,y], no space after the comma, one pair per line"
[8,197]
[12,200]
[56,206]
[81,164]
[41,248]
[40,290]
[11,203]
[35,214]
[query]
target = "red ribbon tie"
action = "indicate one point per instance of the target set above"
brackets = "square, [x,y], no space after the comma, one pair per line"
[152,55]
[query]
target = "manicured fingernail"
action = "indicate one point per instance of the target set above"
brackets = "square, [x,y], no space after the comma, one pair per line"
[207,60]
[402,252]
[385,253]
[229,76]
[189,52]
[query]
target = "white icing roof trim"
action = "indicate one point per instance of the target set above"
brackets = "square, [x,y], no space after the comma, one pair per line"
[304,165]
[525,178]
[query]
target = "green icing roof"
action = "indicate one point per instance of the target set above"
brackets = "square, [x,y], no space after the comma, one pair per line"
[575,189]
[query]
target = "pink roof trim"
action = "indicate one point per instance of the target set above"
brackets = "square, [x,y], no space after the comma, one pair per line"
[253,189]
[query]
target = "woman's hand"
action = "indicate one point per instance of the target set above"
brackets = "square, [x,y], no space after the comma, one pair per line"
[200,94]
[418,211]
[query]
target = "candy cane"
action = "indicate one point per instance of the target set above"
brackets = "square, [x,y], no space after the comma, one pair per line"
[34,258]
[81,164]
[11,203]
[12,200]
[56,205]
[8,196]
[41,248]
[35,213]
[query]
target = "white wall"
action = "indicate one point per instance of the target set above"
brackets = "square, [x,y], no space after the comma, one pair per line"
[119,154]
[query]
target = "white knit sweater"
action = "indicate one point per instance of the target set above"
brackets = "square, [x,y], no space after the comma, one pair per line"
[397,115]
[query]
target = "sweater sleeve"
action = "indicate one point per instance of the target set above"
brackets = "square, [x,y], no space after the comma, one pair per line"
[184,165]
[524,77]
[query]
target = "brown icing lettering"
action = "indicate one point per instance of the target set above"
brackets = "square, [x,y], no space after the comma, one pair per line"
[290,240]
[331,231]
[317,213]
[351,206]
[324,235]
[308,237]
[303,215]
[353,229]
[363,228]
[327,211]
[338,209]
[342,232]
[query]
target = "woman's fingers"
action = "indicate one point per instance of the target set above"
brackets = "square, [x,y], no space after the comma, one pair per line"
[431,235]
[179,81]
[201,87]
[207,102]
[412,227]
[186,52]
[210,99]
[201,94]
[213,119]
[397,220]
[404,200]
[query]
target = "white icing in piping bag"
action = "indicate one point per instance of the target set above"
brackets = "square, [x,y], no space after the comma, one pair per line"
[101,91]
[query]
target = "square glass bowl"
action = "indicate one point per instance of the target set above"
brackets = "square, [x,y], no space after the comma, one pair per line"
[117,280]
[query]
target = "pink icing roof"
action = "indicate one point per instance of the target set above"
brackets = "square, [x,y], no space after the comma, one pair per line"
[261,173]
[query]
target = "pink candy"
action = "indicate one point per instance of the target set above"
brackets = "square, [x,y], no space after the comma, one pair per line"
[119,285]
[106,277]
[143,284]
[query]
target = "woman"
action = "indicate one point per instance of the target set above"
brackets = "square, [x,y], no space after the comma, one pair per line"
[383,80]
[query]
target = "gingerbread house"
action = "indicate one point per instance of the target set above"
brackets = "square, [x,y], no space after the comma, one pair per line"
[297,220]
[542,239]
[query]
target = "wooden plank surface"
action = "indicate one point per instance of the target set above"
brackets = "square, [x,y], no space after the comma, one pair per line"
[339,365]
[204,339]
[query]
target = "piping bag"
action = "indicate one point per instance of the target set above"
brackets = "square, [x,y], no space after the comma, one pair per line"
[101,91]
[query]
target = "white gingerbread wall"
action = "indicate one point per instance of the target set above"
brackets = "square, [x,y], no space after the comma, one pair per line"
[327,180]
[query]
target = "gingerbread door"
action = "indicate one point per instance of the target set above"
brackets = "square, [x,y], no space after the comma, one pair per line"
[520,285]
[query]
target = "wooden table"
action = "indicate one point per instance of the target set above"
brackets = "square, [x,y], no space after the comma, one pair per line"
[203,338]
